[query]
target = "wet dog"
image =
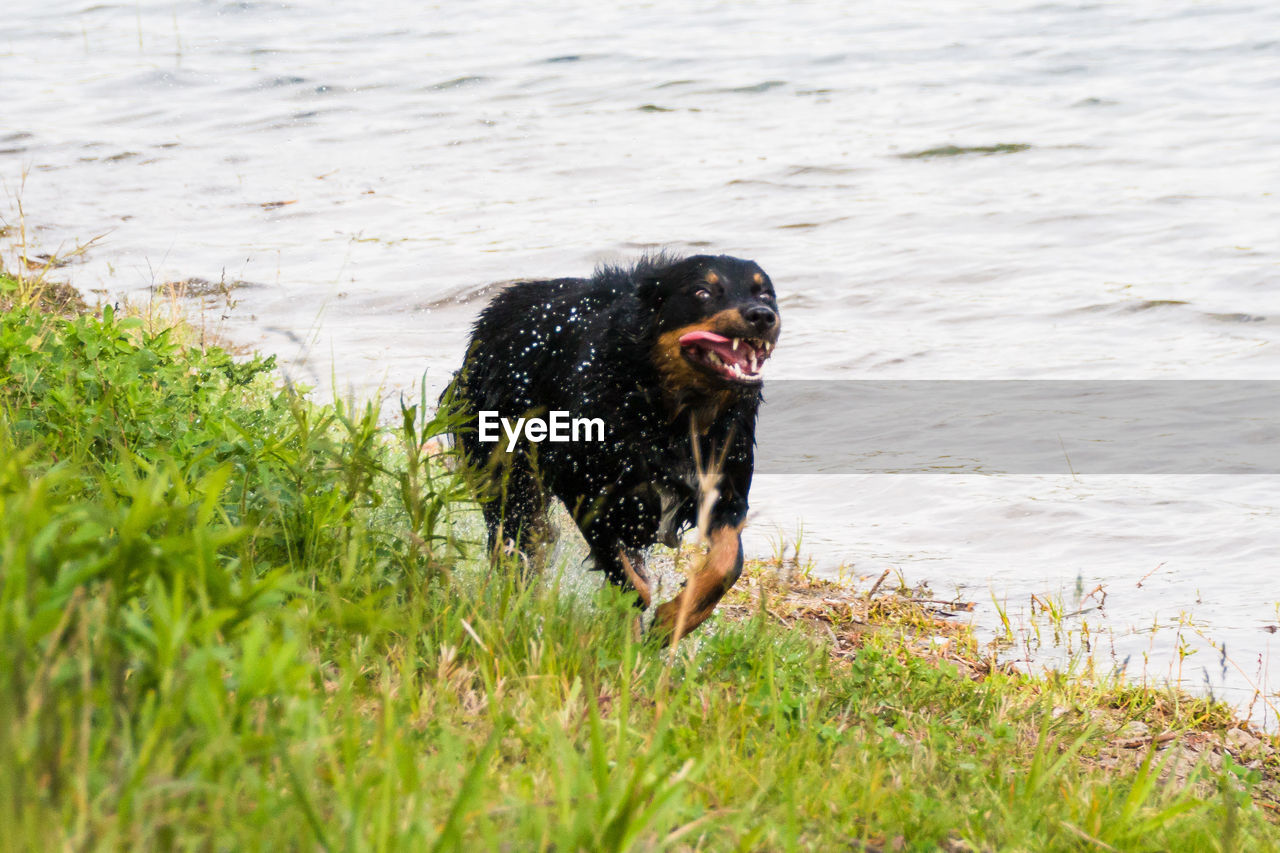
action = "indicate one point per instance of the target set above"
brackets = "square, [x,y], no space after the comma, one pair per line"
[668,353]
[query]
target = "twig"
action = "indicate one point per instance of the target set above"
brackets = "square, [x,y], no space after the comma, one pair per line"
[1134,743]
[1070,467]
[954,604]
[679,832]
[1080,833]
[876,586]
[1149,574]
[475,636]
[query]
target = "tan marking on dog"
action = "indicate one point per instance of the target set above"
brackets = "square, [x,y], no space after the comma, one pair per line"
[685,386]
[758,278]
[713,278]
[678,375]
[704,589]
[638,578]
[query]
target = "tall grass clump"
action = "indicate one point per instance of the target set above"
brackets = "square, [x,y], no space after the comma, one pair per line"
[233,618]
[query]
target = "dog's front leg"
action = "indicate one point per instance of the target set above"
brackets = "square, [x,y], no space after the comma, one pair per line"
[717,573]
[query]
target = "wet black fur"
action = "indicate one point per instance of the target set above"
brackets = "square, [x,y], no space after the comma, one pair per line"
[584,345]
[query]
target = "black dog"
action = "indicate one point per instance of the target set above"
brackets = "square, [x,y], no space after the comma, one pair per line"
[668,354]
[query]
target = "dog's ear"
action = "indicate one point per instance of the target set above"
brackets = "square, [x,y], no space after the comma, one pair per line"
[651,289]
[660,275]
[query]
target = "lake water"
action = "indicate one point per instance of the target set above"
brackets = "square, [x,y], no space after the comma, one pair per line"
[940,191]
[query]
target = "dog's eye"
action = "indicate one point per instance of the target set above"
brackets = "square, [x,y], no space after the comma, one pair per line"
[702,294]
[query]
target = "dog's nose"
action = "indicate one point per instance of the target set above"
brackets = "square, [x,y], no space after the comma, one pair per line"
[761,317]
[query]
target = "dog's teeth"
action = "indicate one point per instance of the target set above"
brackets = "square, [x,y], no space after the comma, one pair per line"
[768,347]
[735,344]
[714,359]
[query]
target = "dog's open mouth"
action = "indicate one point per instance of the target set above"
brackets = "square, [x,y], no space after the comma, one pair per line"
[735,359]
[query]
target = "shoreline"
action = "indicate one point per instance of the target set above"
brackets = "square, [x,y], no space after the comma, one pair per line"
[845,616]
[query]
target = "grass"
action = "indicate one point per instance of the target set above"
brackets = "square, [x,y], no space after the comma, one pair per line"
[235,619]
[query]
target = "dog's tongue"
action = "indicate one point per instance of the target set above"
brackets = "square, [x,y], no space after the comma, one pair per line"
[703,336]
[743,355]
[718,344]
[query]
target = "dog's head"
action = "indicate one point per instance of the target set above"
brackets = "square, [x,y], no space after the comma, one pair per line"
[717,321]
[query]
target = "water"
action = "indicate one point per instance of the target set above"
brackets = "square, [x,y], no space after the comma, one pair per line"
[366,174]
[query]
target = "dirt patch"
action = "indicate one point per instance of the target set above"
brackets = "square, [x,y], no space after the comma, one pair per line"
[54,297]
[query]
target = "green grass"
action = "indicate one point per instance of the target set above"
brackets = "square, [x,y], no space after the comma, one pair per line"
[235,619]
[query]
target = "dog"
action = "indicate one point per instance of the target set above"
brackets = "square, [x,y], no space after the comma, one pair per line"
[668,352]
